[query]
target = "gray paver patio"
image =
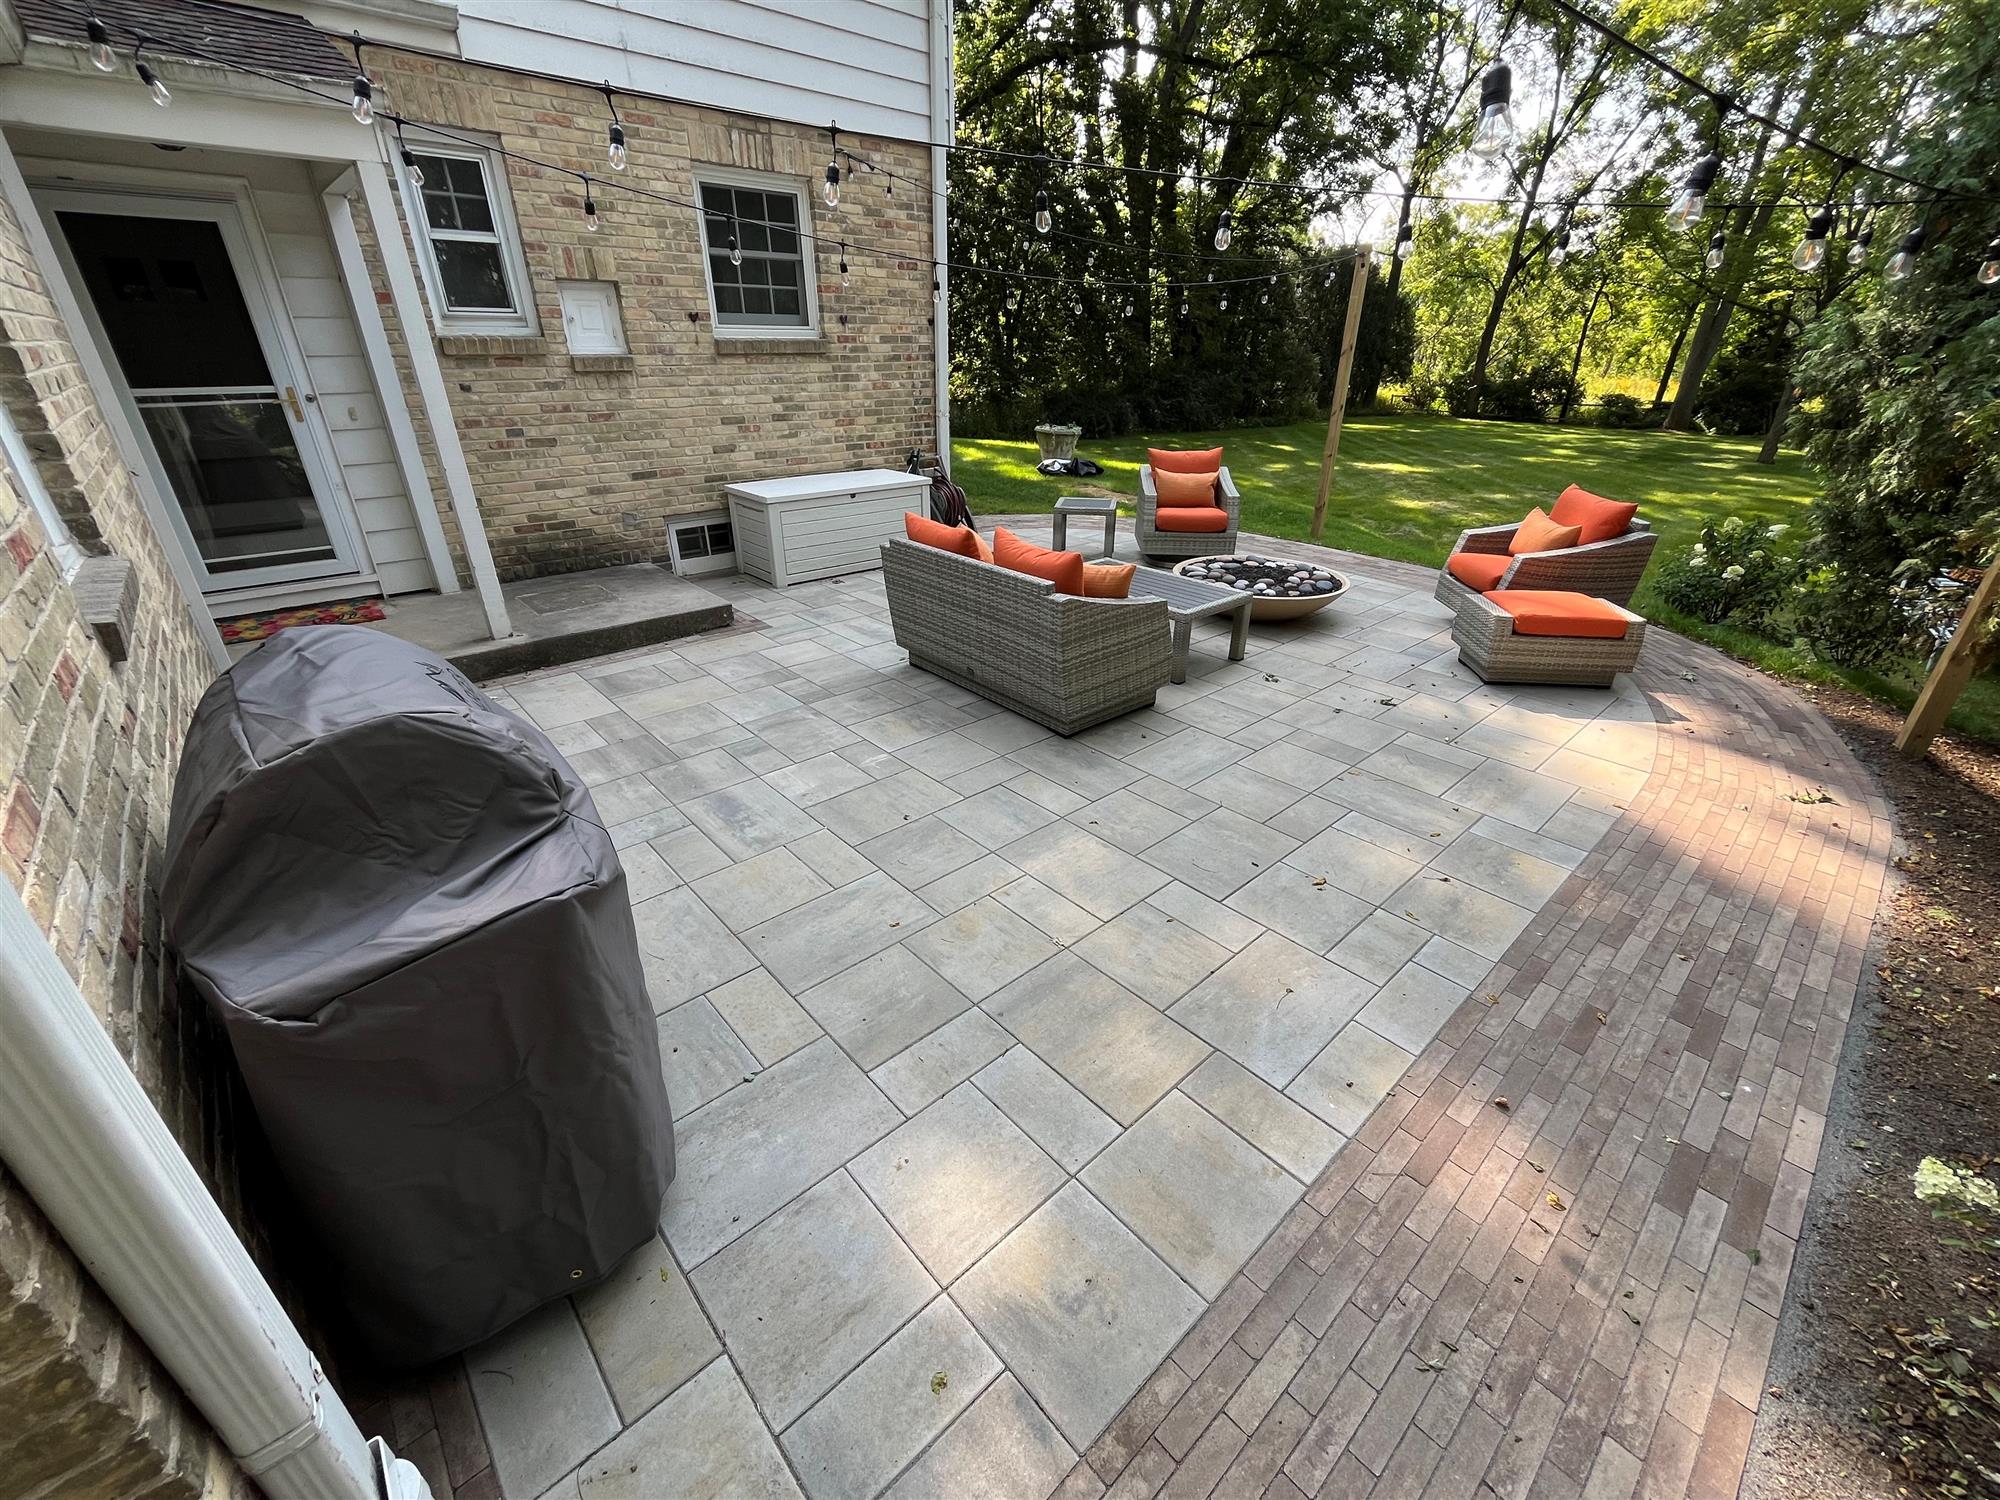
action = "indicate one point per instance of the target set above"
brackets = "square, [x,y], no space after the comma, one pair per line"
[1002,1055]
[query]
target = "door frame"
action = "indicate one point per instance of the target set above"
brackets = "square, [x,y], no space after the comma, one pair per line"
[227,203]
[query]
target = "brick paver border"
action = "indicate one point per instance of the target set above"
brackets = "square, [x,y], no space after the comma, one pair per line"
[1552,1262]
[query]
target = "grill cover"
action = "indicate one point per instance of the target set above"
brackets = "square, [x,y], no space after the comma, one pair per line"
[401,903]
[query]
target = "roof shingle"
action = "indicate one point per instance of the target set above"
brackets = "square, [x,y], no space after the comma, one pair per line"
[258,39]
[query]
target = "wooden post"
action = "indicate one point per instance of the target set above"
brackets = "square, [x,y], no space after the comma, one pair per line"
[1350,332]
[1953,670]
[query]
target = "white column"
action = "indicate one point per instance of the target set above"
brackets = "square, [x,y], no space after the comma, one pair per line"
[431,389]
[944,122]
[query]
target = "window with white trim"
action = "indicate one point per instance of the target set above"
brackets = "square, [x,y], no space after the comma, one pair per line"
[758,257]
[476,273]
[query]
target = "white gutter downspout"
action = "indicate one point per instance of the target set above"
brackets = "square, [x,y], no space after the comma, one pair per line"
[944,125]
[95,1155]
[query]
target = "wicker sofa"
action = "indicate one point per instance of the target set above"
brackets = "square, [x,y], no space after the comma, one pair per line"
[1060,660]
[1606,570]
[1155,542]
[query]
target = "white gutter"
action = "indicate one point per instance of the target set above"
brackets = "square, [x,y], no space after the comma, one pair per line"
[95,1155]
[944,125]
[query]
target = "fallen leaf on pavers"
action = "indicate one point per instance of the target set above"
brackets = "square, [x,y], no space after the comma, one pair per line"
[1492,997]
[1776,1391]
[1537,1166]
[1555,1201]
[1501,1104]
[663,1274]
[1319,880]
[1603,1019]
[938,1382]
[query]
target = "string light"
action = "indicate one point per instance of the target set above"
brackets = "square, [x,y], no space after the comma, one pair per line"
[1857,252]
[1559,246]
[1694,191]
[614,134]
[148,77]
[1989,269]
[830,192]
[1812,249]
[101,56]
[1044,220]
[589,206]
[1904,262]
[1495,131]
[1406,242]
[1717,244]
[735,246]
[1013,297]
[846,280]
[1223,234]
[363,106]
[410,168]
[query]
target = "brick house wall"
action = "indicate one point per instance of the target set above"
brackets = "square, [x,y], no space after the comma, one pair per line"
[579,463]
[87,757]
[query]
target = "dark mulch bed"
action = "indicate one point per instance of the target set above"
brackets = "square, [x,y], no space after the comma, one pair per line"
[1848,1415]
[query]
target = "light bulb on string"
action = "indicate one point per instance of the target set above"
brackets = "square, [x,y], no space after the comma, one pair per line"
[846,280]
[1903,264]
[1223,232]
[1858,251]
[1495,131]
[1989,268]
[735,245]
[411,170]
[1559,246]
[1224,307]
[1184,304]
[1131,308]
[1406,241]
[148,77]
[1812,249]
[1694,191]
[1717,245]
[1044,220]
[830,192]
[1013,299]
[614,133]
[101,56]
[363,107]
[937,290]
[589,208]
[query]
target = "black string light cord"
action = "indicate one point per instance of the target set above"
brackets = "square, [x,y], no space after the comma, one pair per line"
[399,121]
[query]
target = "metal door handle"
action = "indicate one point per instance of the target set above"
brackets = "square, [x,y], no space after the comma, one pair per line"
[292,400]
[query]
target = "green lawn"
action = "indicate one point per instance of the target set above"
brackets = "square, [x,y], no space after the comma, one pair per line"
[1406,485]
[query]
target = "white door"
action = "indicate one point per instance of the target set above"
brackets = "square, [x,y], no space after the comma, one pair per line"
[185,320]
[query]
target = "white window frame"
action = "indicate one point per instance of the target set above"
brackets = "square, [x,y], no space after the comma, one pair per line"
[28,479]
[769,182]
[520,322]
[708,563]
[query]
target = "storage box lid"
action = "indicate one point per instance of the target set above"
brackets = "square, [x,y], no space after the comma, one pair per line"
[820,486]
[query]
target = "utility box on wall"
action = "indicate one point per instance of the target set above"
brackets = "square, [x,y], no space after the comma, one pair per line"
[821,525]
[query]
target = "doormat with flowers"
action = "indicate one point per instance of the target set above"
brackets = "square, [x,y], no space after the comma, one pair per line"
[262,627]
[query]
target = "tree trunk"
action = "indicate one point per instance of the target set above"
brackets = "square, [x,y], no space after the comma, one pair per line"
[1775,433]
[1576,363]
[1673,358]
[1396,261]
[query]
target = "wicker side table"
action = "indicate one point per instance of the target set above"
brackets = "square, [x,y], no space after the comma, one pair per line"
[1087,505]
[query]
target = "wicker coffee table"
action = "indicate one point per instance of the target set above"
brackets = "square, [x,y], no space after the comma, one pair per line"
[1188,600]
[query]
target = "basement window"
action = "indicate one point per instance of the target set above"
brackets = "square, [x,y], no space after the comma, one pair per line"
[701,544]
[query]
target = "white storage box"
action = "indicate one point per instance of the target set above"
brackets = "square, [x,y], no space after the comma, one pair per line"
[821,525]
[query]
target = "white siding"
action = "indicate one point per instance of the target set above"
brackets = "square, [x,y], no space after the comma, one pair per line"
[863,63]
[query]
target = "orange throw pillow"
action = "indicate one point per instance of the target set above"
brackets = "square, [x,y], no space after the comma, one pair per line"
[1063,569]
[936,534]
[1191,461]
[1478,571]
[1176,488]
[1108,580]
[1600,519]
[1540,534]
[985,547]
[1557,612]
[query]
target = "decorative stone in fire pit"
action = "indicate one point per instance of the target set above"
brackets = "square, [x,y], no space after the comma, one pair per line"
[1280,588]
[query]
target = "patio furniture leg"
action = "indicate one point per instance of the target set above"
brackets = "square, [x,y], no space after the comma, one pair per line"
[1183,630]
[1061,538]
[1111,534]
[1239,632]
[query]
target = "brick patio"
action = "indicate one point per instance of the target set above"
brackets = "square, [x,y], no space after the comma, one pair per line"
[1145,1084]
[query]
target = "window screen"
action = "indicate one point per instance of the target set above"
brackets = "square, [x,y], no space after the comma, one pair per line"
[765,287]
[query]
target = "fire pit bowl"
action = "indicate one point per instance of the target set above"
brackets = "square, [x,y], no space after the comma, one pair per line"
[1280,588]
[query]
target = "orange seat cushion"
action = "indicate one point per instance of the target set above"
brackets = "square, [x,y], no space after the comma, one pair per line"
[1558,612]
[1191,518]
[1478,570]
[1184,489]
[1541,534]
[945,538]
[1194,461]
[1108,580]
[1597,518]
[1063,569]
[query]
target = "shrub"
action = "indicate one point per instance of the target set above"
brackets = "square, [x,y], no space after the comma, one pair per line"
[1737,572]
[1527,393]
[1621,410]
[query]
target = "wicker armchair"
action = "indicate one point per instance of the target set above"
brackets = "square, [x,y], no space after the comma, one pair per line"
[1153,542]
[1058,659]
[1607,570]
[1488,644]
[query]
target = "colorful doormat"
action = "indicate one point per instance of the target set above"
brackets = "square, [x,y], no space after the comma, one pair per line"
[262,627]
